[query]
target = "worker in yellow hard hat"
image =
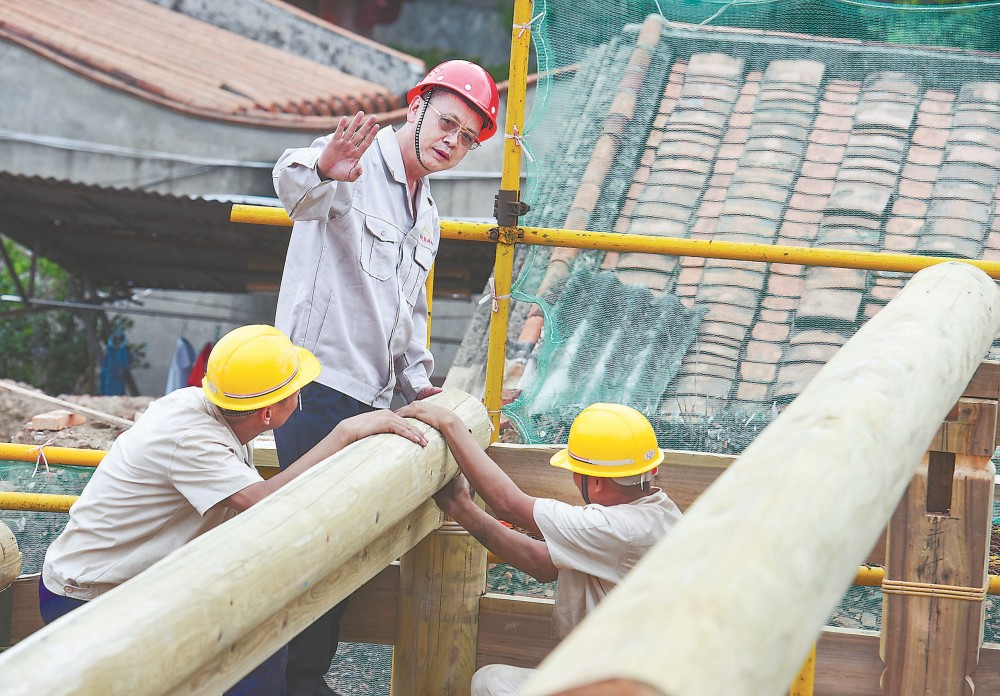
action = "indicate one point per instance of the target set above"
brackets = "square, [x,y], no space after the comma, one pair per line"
[186,466]
[613,454]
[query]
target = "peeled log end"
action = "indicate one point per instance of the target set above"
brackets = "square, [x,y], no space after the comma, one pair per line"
[10,557]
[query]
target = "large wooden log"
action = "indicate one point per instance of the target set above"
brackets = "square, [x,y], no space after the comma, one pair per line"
[797,511]
[10,557]
[154,633]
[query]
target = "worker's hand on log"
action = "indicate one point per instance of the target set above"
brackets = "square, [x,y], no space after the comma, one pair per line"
[434,416]
[454,495]
[341,158]
[428,391]
[382,421]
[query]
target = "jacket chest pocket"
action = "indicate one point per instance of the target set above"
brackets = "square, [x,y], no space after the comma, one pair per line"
[379,248]
[423,259]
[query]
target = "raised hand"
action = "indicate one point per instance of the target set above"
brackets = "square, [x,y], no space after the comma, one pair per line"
[341,158]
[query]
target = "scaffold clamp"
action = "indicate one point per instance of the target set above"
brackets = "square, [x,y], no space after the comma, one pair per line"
[507,208]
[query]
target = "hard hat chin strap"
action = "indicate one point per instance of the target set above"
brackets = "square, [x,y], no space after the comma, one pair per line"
[583,488]
[426,97]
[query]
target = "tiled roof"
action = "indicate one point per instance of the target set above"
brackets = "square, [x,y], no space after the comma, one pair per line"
[765,138]
[188,65]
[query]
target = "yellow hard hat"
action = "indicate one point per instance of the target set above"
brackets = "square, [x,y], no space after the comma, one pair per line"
[256,366]
[610,441]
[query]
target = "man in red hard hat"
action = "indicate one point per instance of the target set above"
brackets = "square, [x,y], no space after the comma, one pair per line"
[352,292]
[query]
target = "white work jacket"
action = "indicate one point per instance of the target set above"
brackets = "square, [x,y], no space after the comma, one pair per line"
[352,290]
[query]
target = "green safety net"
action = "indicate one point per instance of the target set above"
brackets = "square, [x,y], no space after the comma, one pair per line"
[840,125]
[835,125]
[34,531]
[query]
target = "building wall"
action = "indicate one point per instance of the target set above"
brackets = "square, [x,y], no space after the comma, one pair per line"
[473,28]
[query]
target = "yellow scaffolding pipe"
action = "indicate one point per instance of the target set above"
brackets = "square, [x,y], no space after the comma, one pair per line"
[804,682]
[674,246]
[36,502]
[510,181]
[53,455]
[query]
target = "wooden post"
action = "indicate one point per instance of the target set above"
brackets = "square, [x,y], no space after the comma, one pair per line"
[441,582]
[937,560]
[800,508]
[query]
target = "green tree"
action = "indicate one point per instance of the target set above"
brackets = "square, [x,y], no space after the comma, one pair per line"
[47,349]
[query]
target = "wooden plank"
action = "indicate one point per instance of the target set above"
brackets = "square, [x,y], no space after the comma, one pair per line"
[514,630]
[847,663]
[970,428]
[373,610]
[985,383]
[683,474]
[25,616]
[518,631]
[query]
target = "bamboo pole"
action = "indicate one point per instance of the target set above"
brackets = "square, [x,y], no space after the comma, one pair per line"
[801,508]
[213,593]
[675,246]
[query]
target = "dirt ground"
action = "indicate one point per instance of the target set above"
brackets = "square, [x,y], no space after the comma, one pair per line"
[17,410]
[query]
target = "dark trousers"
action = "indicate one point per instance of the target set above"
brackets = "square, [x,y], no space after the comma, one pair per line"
[311,652]
[268,679]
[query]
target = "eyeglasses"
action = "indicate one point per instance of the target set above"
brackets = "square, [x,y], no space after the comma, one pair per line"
[448,124]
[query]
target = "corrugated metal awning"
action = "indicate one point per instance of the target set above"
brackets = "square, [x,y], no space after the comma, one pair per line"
[128,238]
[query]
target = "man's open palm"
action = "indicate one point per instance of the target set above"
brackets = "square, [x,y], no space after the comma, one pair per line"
[341,158]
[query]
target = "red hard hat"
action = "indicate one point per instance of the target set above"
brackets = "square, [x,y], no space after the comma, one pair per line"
[469,81]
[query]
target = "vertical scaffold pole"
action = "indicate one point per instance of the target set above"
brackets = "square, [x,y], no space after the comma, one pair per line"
[510,182]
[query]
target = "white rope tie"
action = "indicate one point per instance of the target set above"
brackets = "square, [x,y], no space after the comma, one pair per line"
[493,296]
[42,460]
[527,26]
[519,141]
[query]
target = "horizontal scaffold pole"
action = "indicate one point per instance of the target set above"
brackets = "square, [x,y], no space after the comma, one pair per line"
[798,511]
[200,619]
[670,246]
[12,451]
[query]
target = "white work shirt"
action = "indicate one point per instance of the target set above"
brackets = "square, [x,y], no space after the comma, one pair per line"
[593,547]
[155,491]
[352,290]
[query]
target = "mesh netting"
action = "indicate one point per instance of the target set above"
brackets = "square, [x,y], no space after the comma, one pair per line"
[34,531]
[873,127]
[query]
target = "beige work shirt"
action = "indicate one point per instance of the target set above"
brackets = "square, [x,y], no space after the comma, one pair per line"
[595,546]
[155,491]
